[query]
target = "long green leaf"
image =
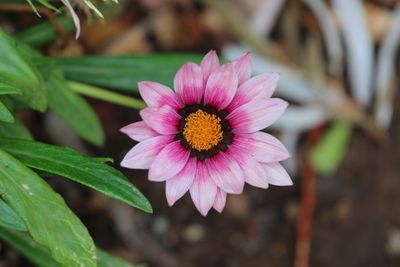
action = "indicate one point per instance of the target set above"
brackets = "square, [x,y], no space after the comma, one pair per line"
[41,256]
[106,259]
[47,217]
[45,32]
[18,71]
[123,72]
[7,89]
[15,130]
[28,247]
[9,218]
[5,114]
[73,109]
[71,164]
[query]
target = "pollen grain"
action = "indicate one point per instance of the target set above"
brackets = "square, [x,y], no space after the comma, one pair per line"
[202,130]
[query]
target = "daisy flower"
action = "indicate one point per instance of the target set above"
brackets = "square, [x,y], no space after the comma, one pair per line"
[205,137]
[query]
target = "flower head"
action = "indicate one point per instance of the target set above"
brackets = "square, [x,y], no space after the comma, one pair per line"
[205,137]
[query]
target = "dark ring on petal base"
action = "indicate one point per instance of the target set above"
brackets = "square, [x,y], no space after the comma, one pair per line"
[227,135]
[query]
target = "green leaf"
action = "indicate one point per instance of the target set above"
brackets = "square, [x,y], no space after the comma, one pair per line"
[33,8]
[328,154]
[47,217]
[7,89]
[71,164]
[18,71]
[123,72]
[45,32]
[48,5]
[103,160]
[15,130]
[5,114]
[9,218]
[73,109]
[29,248]
[41,256]
[106,259]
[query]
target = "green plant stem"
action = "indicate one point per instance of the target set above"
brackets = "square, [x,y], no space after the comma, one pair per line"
[95,92]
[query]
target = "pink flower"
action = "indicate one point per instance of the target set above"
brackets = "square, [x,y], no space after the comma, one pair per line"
[205,137]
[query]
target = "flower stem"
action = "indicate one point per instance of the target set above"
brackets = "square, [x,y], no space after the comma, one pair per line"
[95,92]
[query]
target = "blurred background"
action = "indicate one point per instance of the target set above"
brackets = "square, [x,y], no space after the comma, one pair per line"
[339,69]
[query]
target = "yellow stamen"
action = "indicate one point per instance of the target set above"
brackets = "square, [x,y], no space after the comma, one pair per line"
[202,130]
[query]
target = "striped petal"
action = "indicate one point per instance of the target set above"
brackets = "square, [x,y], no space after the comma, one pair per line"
[169,162]
[139,131]
[276,174]
[220,200]
[221,87]
[258,87]
[256,115]
[178,185]
[142,155]
[188,84]
[209,64]
[158,95]
[243,67]
[262,146]
[226,173]
[163,120]
[203,189]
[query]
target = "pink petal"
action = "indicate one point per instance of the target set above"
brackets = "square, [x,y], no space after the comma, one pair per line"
[262,146]
[243,67]
[164,120]
[178,185]
[254,173]
[220,200]
[158,95]
[256,115]
[276,174]
[142,155]
[260,86]
[139,131]
[209,64]
[221,87]
[169,162]
[226,173]
[203,189]
[188,83]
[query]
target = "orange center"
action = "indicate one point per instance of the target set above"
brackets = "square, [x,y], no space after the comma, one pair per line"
[202,130]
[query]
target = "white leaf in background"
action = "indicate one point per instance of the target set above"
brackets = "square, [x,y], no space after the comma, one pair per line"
[291,85]
[330,34]
[263,20]
[386,72]
[75,17]
[359,48]
[299,119]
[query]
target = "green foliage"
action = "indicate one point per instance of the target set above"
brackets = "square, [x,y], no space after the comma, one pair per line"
[6,89]
[15,130]
[123,72]
[71,164]
[9,218]
[73,109]
[28,80]
[45,32]
[39,255]
[5,115]
[327,155]
[47,217]
[19,72]
[32,250]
